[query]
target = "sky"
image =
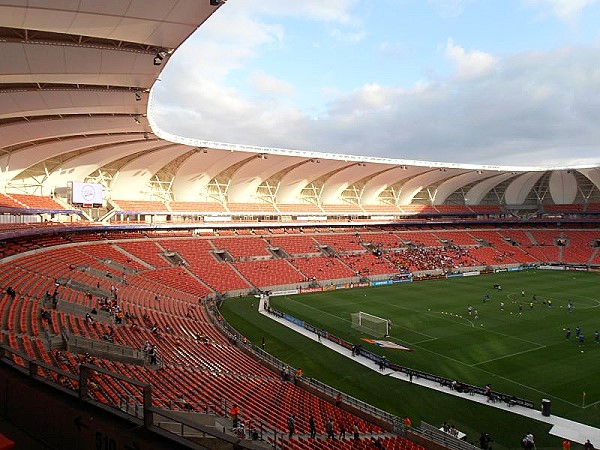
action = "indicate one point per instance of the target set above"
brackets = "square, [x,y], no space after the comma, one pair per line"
[511,82]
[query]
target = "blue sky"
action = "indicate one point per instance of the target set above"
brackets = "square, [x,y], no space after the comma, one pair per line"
[473,81]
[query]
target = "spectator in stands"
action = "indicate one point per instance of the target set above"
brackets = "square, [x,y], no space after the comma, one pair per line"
[234,413]
[184,403]
[290,423]
[377,443]
[329,429]
[11,292]
[45,315]
[355,432]
[407,422]
[342,428]
[152,353]
[60,357]
[312,429]
[338,399]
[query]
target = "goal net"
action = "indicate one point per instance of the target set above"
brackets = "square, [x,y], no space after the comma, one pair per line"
[370,324]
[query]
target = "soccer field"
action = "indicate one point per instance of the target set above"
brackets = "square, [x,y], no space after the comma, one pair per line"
[518,349]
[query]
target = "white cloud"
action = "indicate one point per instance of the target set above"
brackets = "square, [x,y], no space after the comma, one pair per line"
[266,84]
[566,10]
[469,64]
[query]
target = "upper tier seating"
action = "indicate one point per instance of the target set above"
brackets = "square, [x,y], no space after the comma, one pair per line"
[37,202]
[305,208]
[196,207]
[342,208]
[564,208]
[140,206]
[252,208]
[453,209]
[418,209]
[381,209]
[486,209]
[8,202]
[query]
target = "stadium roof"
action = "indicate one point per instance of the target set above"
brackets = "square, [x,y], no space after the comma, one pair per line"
[75,87]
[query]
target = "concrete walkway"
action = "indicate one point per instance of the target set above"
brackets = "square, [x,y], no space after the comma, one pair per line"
[564,428]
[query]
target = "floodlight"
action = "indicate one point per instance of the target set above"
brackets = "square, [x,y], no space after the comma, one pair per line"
[158,59]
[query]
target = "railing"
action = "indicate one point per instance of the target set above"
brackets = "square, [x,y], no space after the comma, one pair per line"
[81,386]
[102,348]
[440,437]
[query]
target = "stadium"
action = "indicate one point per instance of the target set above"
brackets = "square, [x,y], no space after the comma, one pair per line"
[167,292]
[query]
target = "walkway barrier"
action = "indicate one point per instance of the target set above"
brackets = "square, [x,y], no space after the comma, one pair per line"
[438,436]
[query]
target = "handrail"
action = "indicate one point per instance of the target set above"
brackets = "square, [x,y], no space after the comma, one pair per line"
[144,412]
[434,434]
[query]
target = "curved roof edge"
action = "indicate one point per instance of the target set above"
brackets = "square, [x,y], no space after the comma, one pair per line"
[194,142]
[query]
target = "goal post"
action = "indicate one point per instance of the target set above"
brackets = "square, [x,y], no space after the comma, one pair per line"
[370,324]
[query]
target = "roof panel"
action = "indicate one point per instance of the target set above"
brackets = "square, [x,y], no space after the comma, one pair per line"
[13,16]
[115,8]
[150,11]
[37,19]
[93,25]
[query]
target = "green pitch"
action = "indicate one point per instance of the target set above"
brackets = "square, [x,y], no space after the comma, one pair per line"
[518,349]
